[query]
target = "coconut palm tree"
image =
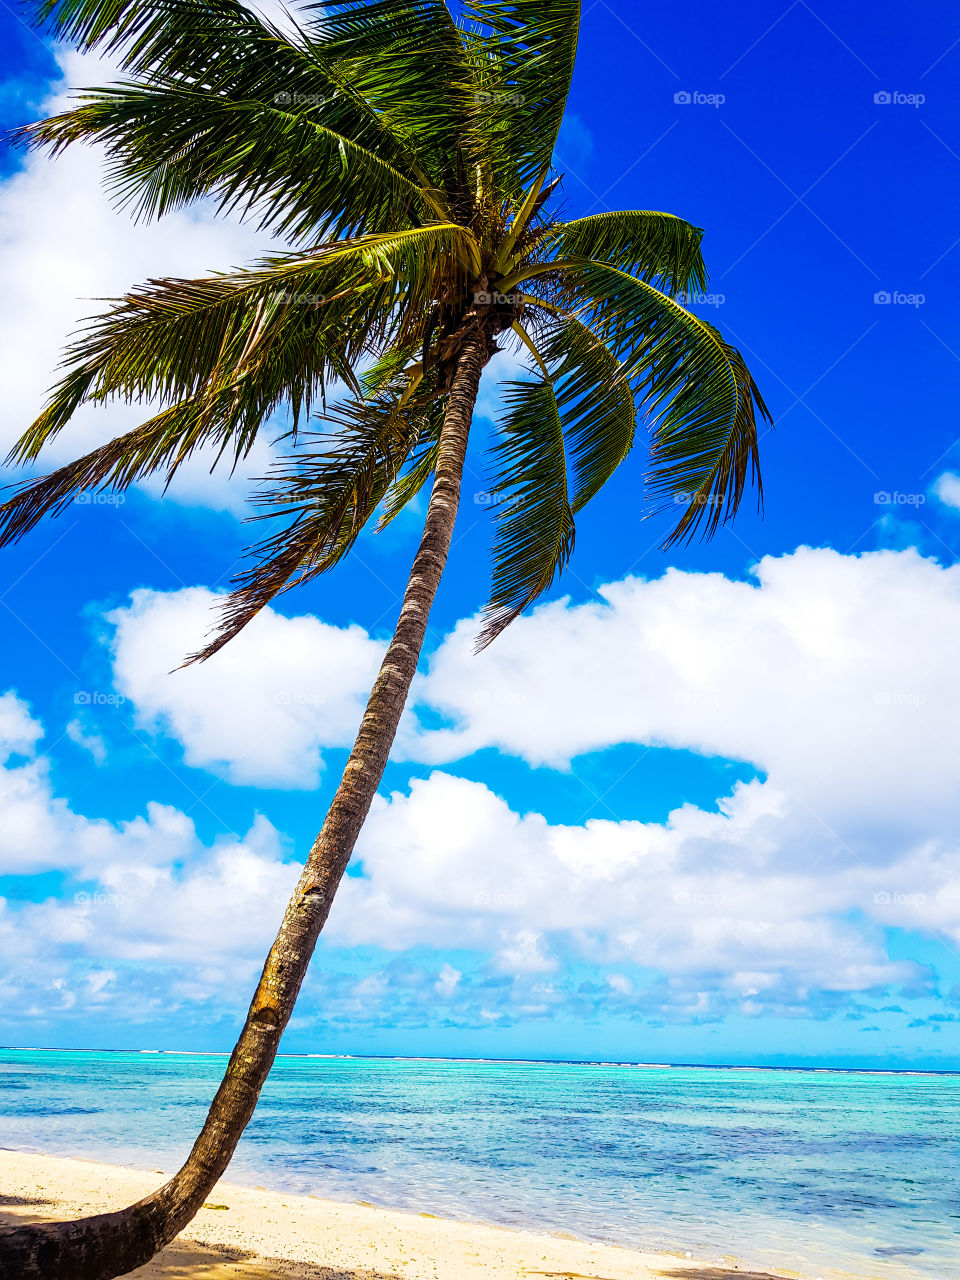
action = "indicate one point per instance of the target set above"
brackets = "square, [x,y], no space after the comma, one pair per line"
[404,156]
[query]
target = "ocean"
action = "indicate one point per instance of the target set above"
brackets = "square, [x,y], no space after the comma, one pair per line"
[815,1172]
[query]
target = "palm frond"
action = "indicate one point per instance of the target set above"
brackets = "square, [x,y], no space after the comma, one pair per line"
[211,57]
[422,463]
[406,60]
[656,247]
[695,389]
[271,162]
[595,401]
[532,511]
[273,334]
[162,443]
[523,52]
[326,495]
[707,477]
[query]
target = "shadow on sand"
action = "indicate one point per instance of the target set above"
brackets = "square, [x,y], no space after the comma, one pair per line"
[701,1273]
[197,1260]
[720,1273]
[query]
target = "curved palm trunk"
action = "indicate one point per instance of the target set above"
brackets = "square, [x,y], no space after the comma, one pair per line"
[111,1244]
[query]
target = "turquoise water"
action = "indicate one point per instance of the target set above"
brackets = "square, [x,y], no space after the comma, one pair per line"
[816,1172]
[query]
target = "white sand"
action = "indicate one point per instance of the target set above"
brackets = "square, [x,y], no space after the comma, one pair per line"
[256,1234]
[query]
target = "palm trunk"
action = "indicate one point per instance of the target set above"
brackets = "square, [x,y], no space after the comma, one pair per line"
[111,1244]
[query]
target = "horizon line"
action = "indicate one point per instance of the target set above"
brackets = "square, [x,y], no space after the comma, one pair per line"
[546,1062]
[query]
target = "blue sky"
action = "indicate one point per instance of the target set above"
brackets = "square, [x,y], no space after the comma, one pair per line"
[706,812]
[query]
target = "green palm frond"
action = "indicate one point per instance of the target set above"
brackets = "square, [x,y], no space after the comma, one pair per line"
[161,444]
[595,401]
[326,495]
[523,53]
[406,59]
[212,77]
[707,474]
[147,35]
[422,463]
[532,511]
[273,333]
[656,247]
[169,145]
[693,387]
[406,154]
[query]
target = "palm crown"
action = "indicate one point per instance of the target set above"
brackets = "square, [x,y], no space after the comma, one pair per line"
[405,158]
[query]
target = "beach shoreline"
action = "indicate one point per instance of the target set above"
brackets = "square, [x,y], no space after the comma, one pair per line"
[253,1233]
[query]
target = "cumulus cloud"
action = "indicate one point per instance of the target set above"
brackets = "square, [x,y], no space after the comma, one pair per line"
[64,247]
[947,488]
[40,831]
[697,898]
[833,674]
[146,904]
[262,709]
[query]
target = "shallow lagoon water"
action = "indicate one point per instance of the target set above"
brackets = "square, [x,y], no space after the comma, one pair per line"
[811,1171]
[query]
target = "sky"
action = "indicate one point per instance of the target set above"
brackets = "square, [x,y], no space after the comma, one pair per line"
[698,806]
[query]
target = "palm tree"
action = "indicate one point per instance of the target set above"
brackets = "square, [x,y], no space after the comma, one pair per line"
[404,155]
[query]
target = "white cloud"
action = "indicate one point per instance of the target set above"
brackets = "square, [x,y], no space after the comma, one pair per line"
[263,708]
[702,898]
[947,488]
[19,732]
[78,733]
[834,674]
[64,247]
[144,894]
[40,832]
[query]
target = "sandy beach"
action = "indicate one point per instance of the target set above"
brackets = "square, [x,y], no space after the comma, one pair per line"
[255,1234]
